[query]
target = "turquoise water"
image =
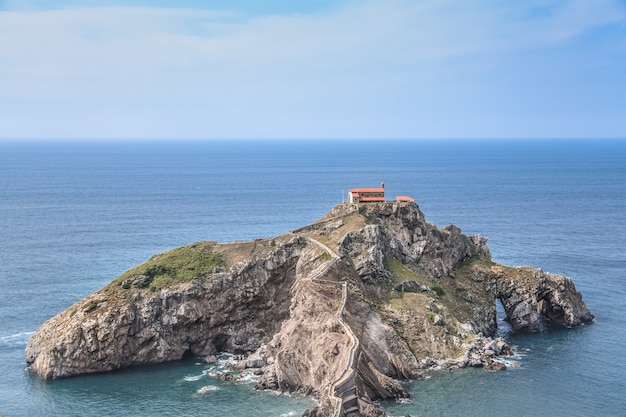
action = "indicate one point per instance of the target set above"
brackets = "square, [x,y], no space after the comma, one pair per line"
[173,389]
[74,216]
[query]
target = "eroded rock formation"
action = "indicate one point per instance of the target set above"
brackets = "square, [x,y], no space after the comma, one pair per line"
[340,309]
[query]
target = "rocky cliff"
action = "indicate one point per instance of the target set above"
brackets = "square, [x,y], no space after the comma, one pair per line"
[340,309]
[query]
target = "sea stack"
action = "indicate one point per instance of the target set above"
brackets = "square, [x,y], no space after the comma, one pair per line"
[340,309]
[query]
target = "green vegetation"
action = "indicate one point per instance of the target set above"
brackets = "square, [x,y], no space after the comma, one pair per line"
[438,289]
[438,233]
[369,216]
[401,272]
[177,265]
[400,301]
[326,256]
[398,270]
[467,264]
[91,306]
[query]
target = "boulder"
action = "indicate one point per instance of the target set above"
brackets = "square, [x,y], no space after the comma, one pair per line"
[407,286]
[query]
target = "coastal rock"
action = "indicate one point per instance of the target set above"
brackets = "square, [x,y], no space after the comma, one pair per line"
[492,365]
[116,327]
[408,286]
[340,309]
[532,297]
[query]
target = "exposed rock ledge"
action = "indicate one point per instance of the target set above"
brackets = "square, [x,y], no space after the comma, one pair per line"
[340,309]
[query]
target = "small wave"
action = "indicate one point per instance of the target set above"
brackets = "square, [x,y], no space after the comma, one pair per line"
[519,353]
[223,363]
[17,339]
[206,389]
[510,363]
[289,414]
[193,378]
[247,377]
[278,393]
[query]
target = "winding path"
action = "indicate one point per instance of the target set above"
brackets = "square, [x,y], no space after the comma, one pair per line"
[343,389]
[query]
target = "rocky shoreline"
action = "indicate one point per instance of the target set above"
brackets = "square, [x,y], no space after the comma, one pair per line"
[340,309]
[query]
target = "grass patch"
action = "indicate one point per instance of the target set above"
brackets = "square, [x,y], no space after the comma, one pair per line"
[91,306]
[399,271]
[407,301]
[398,302]
[368,215]
[452,228]
[177,265]
[326,256]
[469,263]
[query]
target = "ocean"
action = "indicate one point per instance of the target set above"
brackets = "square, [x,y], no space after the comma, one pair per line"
[73,216]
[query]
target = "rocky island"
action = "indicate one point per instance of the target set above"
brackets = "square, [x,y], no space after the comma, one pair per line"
[340,309]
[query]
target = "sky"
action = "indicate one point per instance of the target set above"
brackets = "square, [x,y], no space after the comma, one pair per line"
[159,69]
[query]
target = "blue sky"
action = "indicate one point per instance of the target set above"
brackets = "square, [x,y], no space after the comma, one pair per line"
[312,69]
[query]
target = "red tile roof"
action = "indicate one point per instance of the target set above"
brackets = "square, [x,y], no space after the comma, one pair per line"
[367,190]
[405,198]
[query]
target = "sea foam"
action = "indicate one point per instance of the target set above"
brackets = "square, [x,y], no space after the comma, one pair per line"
[206,389]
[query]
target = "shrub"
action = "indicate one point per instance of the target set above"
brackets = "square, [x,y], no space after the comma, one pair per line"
[437,289]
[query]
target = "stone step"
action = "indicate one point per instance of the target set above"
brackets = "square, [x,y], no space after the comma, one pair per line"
[349,398]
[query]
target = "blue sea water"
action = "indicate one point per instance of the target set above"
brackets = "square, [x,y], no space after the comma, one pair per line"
[73,216]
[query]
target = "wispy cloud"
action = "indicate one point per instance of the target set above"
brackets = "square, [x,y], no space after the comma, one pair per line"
[270,75]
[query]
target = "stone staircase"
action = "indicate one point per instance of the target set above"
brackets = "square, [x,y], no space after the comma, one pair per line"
[343,391]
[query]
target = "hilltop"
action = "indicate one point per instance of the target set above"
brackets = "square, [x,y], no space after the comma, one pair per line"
[340,309]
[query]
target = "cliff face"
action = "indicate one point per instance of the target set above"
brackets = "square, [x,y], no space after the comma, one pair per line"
[234,311]
[341,308]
